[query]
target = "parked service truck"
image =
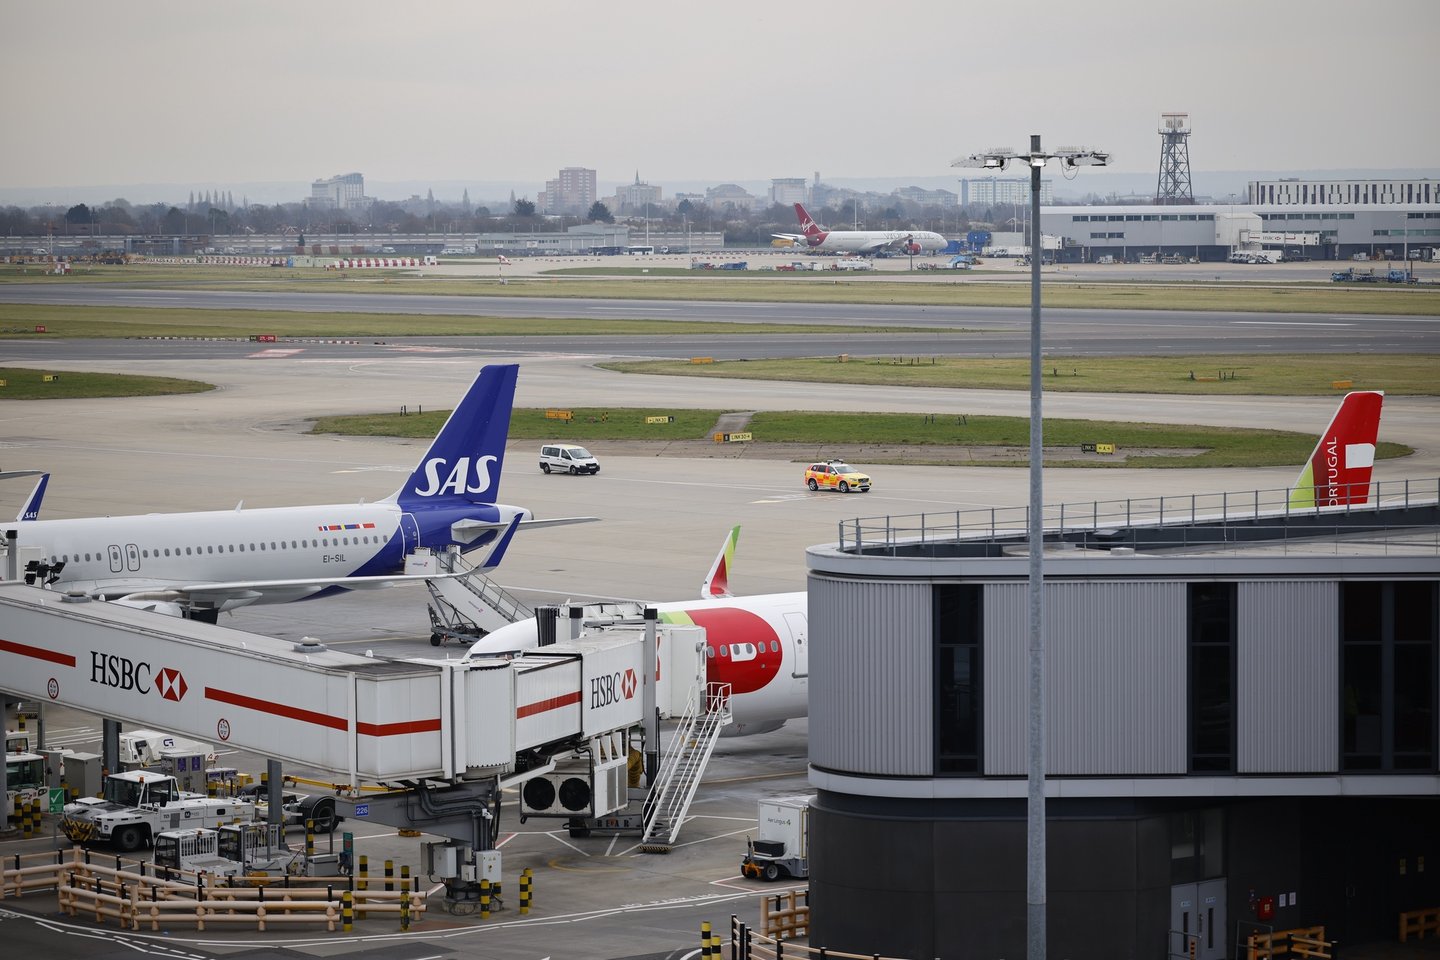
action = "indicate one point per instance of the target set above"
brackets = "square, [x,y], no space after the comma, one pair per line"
[783,846]
[138,804]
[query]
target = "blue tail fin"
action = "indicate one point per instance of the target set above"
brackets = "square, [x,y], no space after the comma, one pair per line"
[31,510]
[463,462]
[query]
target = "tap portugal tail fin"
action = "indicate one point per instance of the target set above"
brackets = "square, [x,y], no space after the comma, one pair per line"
[1338,471]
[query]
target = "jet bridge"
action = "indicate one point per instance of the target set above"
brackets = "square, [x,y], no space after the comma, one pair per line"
[359,719]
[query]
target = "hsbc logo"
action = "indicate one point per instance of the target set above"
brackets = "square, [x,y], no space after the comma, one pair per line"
[122,673]
[464,477]
[171,684]
[612,688]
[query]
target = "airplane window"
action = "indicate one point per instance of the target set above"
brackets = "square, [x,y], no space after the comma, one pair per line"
[167,553]
[774,646]
[724,651]
[262,544]
[252,547]
[272,545]
[210,548]
[232,548]
[710,653]
[293,546]
[187,551]
[242,548]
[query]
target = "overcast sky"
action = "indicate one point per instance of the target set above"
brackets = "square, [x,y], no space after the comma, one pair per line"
[260,90]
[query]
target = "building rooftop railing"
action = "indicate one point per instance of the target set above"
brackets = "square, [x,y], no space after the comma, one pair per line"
[1392,510]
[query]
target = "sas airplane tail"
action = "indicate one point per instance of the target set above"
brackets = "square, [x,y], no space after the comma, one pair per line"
[464,460]
[31,509]
[1338,471]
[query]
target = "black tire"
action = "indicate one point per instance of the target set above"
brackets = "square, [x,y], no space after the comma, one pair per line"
[844,487]
[574,470]
[812,484]
[544,468]
[435,639]
[129,838]
[771,872]
[321,814]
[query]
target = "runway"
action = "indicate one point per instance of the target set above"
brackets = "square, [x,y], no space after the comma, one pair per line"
[950,331]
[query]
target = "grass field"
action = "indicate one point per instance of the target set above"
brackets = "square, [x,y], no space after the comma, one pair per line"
[1279,375]
[21,383]
[905,436]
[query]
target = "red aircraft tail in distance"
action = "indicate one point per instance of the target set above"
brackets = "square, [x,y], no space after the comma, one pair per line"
[813,233]
[1338,471]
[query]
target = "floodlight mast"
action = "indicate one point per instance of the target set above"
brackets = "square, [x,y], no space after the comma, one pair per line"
[1035,885]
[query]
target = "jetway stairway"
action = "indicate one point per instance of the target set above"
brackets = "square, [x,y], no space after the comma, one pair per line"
[683,764]
[465,607]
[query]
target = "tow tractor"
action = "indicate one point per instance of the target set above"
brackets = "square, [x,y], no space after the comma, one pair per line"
[139,804]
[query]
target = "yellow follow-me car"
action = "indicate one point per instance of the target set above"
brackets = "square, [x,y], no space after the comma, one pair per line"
[836,475]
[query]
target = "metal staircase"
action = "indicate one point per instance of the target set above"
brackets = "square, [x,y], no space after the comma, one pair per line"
[682,766]
[465,607]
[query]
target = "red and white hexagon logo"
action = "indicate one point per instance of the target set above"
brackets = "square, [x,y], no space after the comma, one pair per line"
[171,684]
[628,683]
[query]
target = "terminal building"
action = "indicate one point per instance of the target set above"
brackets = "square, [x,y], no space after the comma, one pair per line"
[1320,220]
[1241,726]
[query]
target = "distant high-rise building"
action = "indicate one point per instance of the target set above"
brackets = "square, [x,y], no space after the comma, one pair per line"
[637,197]
[1002,190]
[573,191]
[788,190]
[344,192]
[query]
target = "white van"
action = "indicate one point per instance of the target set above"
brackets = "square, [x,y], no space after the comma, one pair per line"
[567,458]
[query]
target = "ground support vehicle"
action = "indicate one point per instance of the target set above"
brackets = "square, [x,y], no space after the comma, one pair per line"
[836,475]
[783,847]
[24,780]
[196,850]
[139,804]
[567,458]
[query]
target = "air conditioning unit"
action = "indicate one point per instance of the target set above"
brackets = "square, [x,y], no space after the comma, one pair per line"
[577,788]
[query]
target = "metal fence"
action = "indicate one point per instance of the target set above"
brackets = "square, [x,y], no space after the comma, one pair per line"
[1400,512]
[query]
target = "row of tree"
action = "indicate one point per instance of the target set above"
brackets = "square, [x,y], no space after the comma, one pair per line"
[121,218]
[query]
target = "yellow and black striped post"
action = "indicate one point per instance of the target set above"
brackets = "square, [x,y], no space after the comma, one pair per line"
[389,876]
[484,899]
[309,839]
[363,884]
[715,946]
[347,911]
[525,892]
[404,910]
[26,812]
[704,940]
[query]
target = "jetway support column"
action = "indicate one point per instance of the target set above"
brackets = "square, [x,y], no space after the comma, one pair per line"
[275,784]
[110,745]
[648,705]
[4,713]
[12,554]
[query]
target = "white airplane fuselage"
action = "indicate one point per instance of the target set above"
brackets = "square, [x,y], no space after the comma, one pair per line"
[759,645]
[115,556]
[868,241]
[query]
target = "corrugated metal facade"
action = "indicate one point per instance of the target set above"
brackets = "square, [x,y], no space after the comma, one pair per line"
[1115,675]
[1288,676]
[873,656]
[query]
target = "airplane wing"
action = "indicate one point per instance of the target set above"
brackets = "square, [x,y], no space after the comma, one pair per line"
[797,237]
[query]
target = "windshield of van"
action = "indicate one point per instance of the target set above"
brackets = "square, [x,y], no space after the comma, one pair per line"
[579,453]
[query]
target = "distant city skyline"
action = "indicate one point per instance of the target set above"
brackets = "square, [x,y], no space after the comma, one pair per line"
[170,92]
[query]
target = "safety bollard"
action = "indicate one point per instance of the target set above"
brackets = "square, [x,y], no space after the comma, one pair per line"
[25,815]
[309,839]
[363,884]
[389,876]
[704,940]
[405,912]
[715,946]
[525,893]
[484,899]
[347,911]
